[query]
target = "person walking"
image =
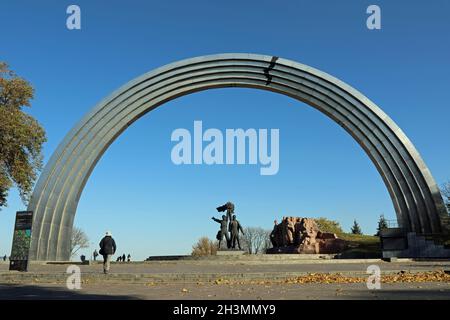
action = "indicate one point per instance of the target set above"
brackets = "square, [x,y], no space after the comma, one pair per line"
[129,258]
[123,258]
[107,250]
[95,254]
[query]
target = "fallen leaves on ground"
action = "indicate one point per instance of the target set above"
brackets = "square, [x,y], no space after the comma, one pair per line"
[328,278]
[222,281]
[324,278]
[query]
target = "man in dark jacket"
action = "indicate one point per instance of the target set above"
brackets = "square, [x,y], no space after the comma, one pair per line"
[223,230]
[107,249]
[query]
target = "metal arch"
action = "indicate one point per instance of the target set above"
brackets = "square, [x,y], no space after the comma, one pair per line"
[415,195]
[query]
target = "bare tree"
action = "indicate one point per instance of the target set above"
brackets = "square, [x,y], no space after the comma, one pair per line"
[204,247]
[79,241]
[256,240]
[445,190]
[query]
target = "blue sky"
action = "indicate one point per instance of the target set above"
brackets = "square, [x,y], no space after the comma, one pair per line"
[154,207]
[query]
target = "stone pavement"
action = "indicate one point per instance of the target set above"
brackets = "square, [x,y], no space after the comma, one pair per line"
[195,279]
[126,291]
[239,266]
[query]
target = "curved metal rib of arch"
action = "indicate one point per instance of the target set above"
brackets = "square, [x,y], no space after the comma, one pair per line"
[414,193]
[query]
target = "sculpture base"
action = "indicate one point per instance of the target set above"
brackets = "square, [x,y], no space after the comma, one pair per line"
[322,246]
[230,252]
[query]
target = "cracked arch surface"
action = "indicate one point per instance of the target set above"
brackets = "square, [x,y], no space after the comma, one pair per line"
[414,193]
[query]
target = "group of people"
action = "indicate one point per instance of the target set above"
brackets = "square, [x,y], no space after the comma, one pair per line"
[229,227]
[122,258]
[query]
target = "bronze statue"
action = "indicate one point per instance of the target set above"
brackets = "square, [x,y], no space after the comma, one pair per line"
[223,232]
[274,235]
[229,207]
[235,227]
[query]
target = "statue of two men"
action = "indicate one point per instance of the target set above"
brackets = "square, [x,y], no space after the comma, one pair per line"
[229,223]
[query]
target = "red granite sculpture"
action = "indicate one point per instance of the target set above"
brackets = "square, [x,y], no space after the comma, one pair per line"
[302,235]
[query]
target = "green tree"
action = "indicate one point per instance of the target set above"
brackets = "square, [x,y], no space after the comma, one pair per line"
[356,229]
[331,226]
[21,136]
[382,224]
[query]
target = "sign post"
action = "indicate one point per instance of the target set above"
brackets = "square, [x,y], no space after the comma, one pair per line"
[21,241]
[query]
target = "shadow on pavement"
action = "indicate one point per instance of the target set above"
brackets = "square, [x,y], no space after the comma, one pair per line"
[414,294]
[29,292]
[401,294]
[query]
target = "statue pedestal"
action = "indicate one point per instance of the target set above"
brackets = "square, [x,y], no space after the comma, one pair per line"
[230,252]
[322,246]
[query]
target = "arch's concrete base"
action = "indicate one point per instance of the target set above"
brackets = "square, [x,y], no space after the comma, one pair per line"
[398,244]
[415,196]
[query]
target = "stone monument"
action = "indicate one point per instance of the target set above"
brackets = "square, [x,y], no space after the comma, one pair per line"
[302,235]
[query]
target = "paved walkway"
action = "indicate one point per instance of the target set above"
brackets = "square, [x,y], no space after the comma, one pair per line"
[430,291]
[195,280]
[202,266]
